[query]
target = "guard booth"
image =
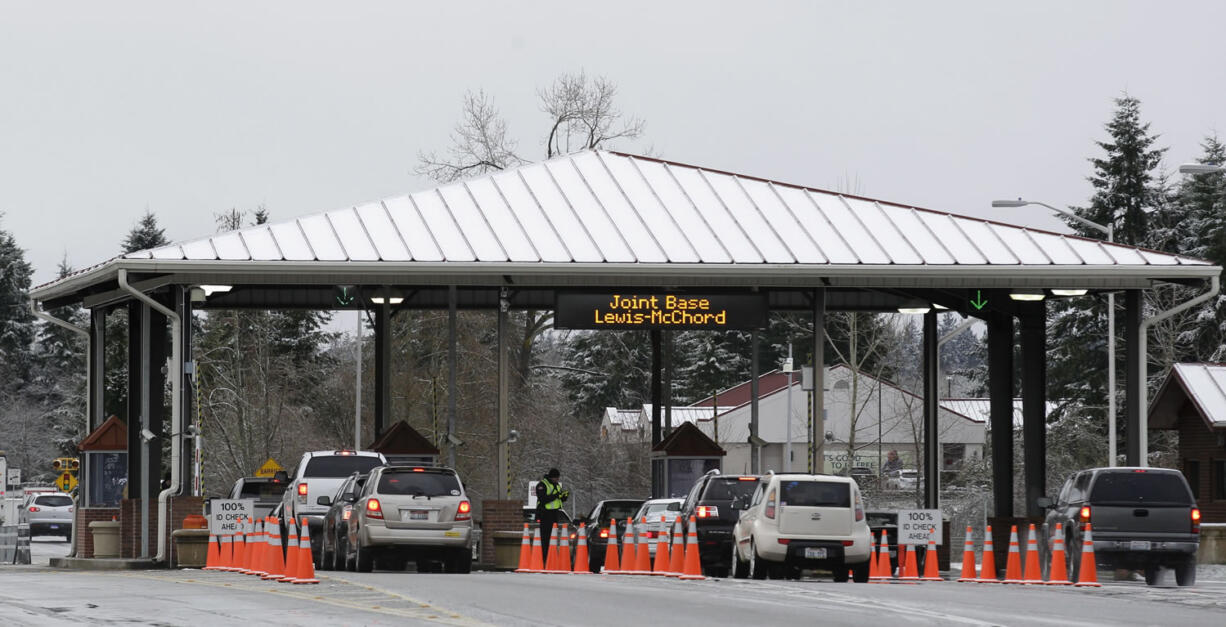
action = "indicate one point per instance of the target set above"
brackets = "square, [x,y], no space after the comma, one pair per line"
[680,459]
[403,445]
[105,453]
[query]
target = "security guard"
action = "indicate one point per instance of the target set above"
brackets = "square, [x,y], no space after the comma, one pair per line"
[549,499]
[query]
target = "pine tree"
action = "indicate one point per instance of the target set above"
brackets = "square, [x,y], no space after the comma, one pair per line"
[59,385]
[145,235]
[17,327]
[1202,202]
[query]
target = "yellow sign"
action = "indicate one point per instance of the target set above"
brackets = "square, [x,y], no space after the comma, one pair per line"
[270,468]
[574,310]
[66,482]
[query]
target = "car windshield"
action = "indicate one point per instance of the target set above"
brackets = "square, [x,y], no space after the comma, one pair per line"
[1140,487]
[53,501]
[728,489]
[339,466]
[814,494]
[263,491]
[419,483]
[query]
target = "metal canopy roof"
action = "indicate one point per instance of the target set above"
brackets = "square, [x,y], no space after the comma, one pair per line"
[606,218]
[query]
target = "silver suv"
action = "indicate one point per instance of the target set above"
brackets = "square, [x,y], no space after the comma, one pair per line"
[797,521]
[411,513]
[320,473]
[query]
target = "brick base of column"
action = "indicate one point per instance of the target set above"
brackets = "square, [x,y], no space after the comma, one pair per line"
[498,516]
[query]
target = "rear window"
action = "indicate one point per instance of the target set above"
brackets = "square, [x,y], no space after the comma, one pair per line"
[340,466]
[263,491]
[53,501]
[814,494]
[419,483]
[618,511]
[728,489]
[1140,487]
[657,508]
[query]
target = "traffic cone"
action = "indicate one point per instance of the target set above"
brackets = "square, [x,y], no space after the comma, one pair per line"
[882,565]
[1032,573]
[225,555]
[872,556]
[693,564]
[564,563]
[676,563]
[525,551]
[642,561]
[306,563]
[240,547]
[1013,567]
[968,558]
[582,560]
[662,556]
[291,552]
[1057,575]
[931,567]
[910,570]
[1087,575]
[274,560]
[987,570]
[535,564]
[255,553]
[612,565]
[551,562]
[629,549]
[213,558]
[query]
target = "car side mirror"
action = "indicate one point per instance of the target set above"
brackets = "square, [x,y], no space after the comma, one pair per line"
[1043,502]
[323,500]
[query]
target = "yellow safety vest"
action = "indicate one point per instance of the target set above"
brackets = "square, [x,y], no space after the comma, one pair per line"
[552,491]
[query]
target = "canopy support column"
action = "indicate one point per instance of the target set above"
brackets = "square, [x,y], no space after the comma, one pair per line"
[1134,367]
[817,463]
[932,444]
[755,451]
[383,371]
[1000,392]
[504,408]
[1034,403]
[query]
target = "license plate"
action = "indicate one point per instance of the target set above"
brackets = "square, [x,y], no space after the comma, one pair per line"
[1138,545]
[54,526]
[419,514]
[812,553]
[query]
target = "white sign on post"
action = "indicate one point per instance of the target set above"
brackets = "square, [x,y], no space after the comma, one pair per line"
[915,526]
[226,516]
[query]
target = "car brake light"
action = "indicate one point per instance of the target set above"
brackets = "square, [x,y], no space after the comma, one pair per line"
[1085,513]
[707,511]
[650,534]
[345,515]
[32,508]
[1195,520]
[784,540]
[746,478]
[374,509]
[419,470]
[344,452]
[464,511]
[848,542]
[770,506]
[302,492]
[604,533]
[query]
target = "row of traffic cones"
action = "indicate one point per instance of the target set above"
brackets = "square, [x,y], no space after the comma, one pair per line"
[673,559]
[256,550]
[881,571]
[1015,574]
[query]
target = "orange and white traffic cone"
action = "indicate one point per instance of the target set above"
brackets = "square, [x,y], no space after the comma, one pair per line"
[536,565]
[872,556]
[226,553]
[642,555]
[274,561]
[213,557]
[259,549]
[910,569]
[1057,574]
[564,564]
[629,549]
[525,551]
[291,552]
[240,547]
[987,570]
[931,567]
[968,558]
[306,562]
[582,561]
[1033,574]
[1013,567]
[662,556]
[1087,575]
[676,562]
[612,565]
[553,560]
[693,563]
[882,564]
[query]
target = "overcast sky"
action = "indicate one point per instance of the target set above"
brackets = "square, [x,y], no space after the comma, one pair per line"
[111,109]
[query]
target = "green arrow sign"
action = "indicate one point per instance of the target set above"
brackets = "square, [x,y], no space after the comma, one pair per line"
[345,295]
[980,302]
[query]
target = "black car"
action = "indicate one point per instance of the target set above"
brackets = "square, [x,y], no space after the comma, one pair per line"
[266,491]
[709,503]
[616,511]
[336,522]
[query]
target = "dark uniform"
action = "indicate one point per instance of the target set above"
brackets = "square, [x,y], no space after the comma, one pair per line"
[549,499]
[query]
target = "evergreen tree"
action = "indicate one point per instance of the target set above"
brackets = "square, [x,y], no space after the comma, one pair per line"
[59,385]
[16,322]
[608,369]
[1202,202]
[145,235]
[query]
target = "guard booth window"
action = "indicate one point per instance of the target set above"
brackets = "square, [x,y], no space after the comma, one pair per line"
[1219,479]
[1191,471]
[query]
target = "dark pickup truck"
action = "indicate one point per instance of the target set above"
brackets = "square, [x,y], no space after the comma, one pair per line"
[1141,519]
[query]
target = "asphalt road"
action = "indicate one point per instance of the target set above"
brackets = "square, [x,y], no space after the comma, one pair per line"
[37,595]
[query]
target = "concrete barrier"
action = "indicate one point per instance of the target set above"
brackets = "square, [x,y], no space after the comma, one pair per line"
[1212,544]
[14,544]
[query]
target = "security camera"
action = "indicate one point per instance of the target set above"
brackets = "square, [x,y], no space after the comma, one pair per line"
[454,441]
[512,436]
[147,435]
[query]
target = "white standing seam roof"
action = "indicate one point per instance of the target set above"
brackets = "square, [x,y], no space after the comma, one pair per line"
[613,208]
[1205,384]
[980,409]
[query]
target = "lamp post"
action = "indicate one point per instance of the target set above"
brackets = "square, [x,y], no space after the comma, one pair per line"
[1201,168]
[787,367]
[1109,230]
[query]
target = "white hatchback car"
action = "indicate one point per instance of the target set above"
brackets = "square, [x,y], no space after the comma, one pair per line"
[797,521]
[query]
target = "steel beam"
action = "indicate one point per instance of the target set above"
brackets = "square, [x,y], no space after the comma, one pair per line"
[383,369]
[1034,403]
[932,440]
[818,435]
[1000,392]
[1133,379]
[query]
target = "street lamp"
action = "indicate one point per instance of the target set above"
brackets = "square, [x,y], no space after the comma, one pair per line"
[1201,168]
[1109,230]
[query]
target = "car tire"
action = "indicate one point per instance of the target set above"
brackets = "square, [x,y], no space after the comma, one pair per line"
[740,569]
[365,559]
[1185,572]
[459,562]
[1152,575]
[757,565]
[839,571]
[859,572]
[338,557]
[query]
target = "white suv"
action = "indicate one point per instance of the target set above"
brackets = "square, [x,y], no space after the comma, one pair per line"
[797,521]
[321,473]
